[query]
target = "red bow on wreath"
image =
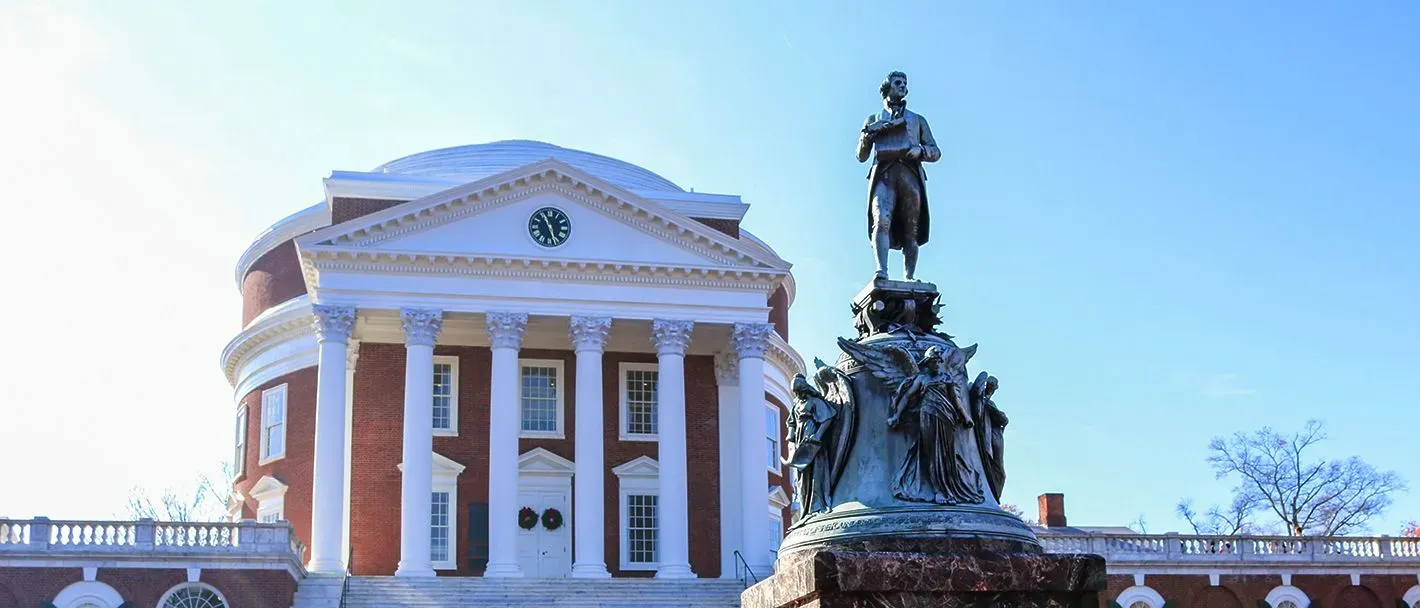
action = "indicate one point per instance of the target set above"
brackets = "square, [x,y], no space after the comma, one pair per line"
[527,518]
[552,519]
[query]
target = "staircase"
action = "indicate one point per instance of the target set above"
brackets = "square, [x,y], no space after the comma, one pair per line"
[385,591]
[318,591]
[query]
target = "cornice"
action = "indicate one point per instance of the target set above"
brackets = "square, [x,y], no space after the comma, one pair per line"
[313,262]
[547,176]
[784,355]
[306,220]
[290,318]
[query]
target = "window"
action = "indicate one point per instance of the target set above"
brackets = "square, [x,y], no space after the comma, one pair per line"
[776,532]
[1142,604]
[192,595]
[541,398]
[446,397]
[270,496]
[270,515]
[273,424]
[771,437]
[641,529]
[239,459]
[639,383]
[1287,604]
[439,518]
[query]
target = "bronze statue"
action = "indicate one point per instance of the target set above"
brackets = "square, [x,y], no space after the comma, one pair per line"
[820,431]
[900,142]
[943,463]
[990,431]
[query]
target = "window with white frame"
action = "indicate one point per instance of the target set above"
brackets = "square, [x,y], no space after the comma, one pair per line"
[639,385]
[440,517]
[239,458]
[273,423]
[541,396]
[193,595]
[639,503]
[446,395]
[771,436]
[270,496]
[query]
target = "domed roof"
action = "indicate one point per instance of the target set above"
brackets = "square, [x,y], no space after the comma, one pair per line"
[477,161]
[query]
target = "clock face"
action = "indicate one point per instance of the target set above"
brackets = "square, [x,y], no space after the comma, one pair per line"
[549,226]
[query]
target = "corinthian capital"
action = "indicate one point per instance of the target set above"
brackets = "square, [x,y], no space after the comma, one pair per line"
[727,369]
[505,329]
[750,339]
[421,326]
[333,323]
[671,337]
[589,333]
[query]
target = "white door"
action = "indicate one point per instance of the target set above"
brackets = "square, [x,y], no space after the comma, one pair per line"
[544,553]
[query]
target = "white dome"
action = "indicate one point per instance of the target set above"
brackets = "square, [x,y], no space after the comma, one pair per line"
[477,161]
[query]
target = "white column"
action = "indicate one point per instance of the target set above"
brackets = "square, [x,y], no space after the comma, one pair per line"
[749,341]
[505,335]
[421,328]
[589,339]
[352,355]
[333,325]
[673,505]
[727,379]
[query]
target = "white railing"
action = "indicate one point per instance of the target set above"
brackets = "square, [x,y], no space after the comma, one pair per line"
[145,536]
[1205,548]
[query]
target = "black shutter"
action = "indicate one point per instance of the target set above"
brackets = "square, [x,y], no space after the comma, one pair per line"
[477,535]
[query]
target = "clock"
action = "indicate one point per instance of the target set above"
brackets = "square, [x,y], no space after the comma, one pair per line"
[549,226]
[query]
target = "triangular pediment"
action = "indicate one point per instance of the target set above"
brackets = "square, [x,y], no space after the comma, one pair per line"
[778,497]
[266,488]
[542,461]
[641,466]
[488,222]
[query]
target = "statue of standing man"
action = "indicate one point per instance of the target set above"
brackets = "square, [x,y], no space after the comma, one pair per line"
[900,142]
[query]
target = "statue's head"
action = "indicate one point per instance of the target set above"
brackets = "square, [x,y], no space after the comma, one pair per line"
[991,385]
[932,359]
[894,86]
[802,386]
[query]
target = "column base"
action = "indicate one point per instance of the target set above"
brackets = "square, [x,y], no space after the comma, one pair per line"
[675,571]
[597,570]
[424,571]
[833,579]
[503,571]
[325,567]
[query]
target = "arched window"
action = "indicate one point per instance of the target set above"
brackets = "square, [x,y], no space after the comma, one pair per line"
[88,594]
[1140,596]
[1140,604]
[192,595]
[1287,604]
[1287,596]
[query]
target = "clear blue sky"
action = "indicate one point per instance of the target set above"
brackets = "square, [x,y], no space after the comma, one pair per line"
[1161,223]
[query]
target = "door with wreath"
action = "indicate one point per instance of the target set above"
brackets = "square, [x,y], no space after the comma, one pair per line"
[545,547]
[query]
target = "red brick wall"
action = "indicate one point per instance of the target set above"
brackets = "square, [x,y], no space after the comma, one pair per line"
[1329,590]
[296,468]
[274,278]
[779,311]
[29,587]
[378,429]
[344,209]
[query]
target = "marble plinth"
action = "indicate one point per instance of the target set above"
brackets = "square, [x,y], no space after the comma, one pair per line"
[909,579]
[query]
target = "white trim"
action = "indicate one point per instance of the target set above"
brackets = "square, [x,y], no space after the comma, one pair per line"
[294,225]
[1286,593]
[1412,596]
[445,473]
[561,386]
[88,591]
[543,462]
[279,341]
[270,454]
[241,443]
[641,477]
[270,496]
[624,419]
[190,584]
[453,430]
[1139,593]
[776,467]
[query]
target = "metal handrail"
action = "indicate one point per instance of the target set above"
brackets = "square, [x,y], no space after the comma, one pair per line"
[345,584]
[739,563]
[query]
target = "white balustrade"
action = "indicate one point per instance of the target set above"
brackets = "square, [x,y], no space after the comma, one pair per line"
[1222,549]
[247,538]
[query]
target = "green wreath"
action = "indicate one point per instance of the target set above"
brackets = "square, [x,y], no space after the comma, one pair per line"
[552,519]
[527,518]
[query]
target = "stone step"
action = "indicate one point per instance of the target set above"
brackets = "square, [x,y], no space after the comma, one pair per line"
[371,592]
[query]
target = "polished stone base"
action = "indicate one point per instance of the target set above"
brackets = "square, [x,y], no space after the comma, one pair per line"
[843,579]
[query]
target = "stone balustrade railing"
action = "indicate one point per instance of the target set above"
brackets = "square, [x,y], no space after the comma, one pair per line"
[1202,548]
[145,536]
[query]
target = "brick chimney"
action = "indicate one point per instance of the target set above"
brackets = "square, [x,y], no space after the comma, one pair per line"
[1052,510]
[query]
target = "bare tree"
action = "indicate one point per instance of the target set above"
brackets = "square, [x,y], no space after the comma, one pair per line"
[207,500]
[1235,520]
[1308,495]
[1018,512]
[1139,525]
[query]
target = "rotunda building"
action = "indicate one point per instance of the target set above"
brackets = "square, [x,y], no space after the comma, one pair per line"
[515,359]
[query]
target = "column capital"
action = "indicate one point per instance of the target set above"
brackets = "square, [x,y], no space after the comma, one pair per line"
[671,337]
[421,326]
[750,339]
[727,369]
[333,323]
[589,333]
[506,329]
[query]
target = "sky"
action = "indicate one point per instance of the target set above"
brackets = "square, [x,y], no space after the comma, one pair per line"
[1161,222]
